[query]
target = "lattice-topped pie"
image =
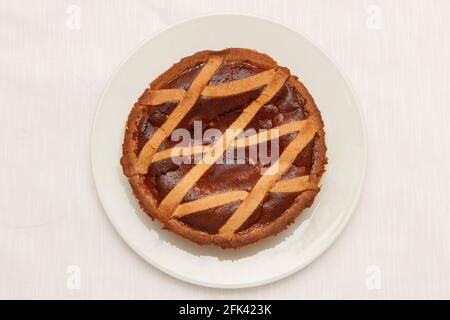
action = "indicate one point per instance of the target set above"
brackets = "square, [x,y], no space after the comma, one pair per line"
[225,148]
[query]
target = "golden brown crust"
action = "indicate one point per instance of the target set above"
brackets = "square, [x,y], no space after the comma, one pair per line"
[225,240]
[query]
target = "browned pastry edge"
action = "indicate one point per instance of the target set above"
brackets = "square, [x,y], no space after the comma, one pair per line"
[255,232]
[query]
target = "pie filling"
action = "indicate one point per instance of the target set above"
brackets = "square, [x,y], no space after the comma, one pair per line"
[285,107]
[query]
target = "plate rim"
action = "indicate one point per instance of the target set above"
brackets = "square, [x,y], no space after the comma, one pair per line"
[324,245]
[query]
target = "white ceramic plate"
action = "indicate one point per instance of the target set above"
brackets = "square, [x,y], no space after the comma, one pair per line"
[314,230]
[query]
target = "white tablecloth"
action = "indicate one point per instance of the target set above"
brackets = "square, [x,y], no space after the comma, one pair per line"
[55,60]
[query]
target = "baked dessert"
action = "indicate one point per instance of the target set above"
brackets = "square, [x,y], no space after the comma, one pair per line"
[248,100]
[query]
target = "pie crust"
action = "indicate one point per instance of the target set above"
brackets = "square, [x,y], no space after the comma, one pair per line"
[213,203]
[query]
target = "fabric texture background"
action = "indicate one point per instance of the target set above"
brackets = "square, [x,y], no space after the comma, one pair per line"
[397,56]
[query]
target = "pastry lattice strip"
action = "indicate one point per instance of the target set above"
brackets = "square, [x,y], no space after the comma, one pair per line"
[186,103]
[239,142]
[155,97]
[296,185]
[273,80]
